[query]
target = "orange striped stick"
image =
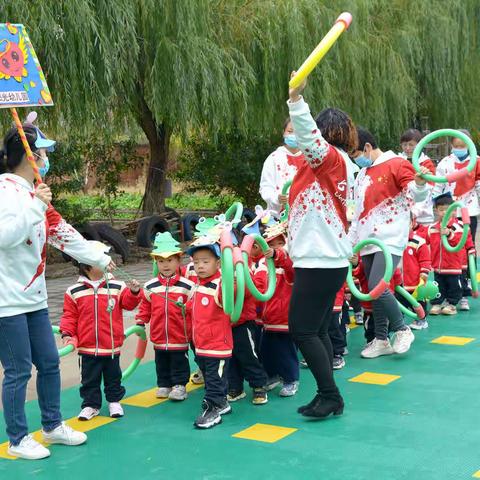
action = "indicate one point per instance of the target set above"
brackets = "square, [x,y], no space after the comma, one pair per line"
[26,146]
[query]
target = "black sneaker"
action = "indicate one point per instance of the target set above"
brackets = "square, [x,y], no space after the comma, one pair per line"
[338,362]
[260,396]
[234,395]
[224,408]
[209,417]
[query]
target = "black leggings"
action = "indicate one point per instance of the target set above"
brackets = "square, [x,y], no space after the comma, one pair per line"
[311,305]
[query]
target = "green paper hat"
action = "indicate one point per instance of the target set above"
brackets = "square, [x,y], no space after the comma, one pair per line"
[164,246]
[207,226]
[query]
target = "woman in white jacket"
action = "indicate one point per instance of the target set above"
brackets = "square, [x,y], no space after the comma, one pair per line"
[280,167]
[27,223]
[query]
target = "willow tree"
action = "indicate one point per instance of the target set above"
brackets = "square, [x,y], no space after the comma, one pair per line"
[173,66]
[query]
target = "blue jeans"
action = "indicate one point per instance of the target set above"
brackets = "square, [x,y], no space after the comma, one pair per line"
[27,339]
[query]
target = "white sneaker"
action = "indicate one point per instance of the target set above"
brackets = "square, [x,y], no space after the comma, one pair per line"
[403,340]
[463,304]
[197,378]
[64,435]
[359,318]
[436,309]
[163,392]
[419,325]
[88,413]
[115,409]
[29,449]
[289,389]
[178,393]
[376,348]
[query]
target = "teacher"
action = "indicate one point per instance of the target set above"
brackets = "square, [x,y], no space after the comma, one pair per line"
[318,242]
[27,223]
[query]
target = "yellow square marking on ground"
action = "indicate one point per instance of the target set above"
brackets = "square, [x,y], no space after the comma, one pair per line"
[477,473]
[374,378]
[478,280]
[74,422]
[262,432]
[446,340]
[351,326]
[148,399]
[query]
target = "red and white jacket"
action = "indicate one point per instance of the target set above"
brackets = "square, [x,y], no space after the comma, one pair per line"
[444,262]
[466,189]
[212,332]
[86,317]
[469,249]
[423,211]
[384,196]
[416,260]
[188,271]
[26,225]
[280,167]
[317,224]
[169,329]
[275,311]
[339,299]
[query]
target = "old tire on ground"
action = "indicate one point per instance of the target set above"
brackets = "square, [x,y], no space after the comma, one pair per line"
[115,238]
[148,228]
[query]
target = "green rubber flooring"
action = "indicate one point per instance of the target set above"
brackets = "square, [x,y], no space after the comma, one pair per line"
[423,425]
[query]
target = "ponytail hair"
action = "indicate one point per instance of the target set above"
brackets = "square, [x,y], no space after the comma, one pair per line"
[12,153]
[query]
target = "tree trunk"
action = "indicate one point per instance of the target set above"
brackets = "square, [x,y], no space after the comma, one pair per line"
[159,139]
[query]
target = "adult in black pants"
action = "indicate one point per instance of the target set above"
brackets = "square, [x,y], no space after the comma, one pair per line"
[318,245]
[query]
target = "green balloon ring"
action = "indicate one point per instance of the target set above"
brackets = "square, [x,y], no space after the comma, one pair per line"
[64,350]
[383,284]
[240,293]
[466,227]
[286,211]
[472,266]
[234,213]
[139,353]
[226,265]
[451,177]
[419,313]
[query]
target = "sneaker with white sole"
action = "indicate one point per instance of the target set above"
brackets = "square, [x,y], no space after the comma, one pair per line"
[163,392]
[225,408]
[29,449]
[209,417]
[178,393]
[197,378]
[436,310]
[88,413]
[289,389]
[403,340]
[463,304]
[338,362]
[64,435]
[115,409]
[359,318]
[449,310]
[272,383]
[235,395]
[419,325]
[377,348]
[303,363]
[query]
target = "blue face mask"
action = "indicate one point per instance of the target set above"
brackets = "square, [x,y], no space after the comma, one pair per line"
[460,153]
[44,170]
[363,162]
[290,141]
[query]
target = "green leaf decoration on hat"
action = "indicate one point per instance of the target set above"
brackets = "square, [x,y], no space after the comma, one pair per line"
[164,245]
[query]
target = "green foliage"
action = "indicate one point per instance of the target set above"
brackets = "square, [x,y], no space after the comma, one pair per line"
[233,163]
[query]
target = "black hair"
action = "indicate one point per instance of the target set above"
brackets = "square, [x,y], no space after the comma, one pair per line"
[364,137]
[465,131]
[444,199]
[285,124]
[83,269]
[411,134]
[337,129]
[206,248]
[11,155]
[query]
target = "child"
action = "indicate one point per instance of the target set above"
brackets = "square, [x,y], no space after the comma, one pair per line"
[466,189]
[92,321]
[385,189]
[423,211]
[212,332]
[163,307]
[467,250]
[446,265]
[278,351]
[416,267]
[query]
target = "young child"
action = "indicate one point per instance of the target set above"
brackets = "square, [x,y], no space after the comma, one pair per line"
[416,267]
[212,332]
[423,211]
[92,321]
[337,331]
[467,250]
[163,308]
[446,265]
[278,351]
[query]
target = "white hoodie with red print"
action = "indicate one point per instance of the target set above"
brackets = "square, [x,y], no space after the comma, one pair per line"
[317,224]
[384,196]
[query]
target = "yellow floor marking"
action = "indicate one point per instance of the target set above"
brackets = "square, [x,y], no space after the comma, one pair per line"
[476,474]
[351,326]
[478,280]
[262,432]
[446,340]
[148,399]
[74,422]
[374,378]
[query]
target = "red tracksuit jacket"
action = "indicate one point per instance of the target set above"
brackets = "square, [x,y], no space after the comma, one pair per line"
[169,329]
[212,332]
[416,260]
[85,315]
[275,311]
[444,262]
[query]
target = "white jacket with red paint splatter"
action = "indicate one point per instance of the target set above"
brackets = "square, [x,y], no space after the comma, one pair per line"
[26,224]
[317,230]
